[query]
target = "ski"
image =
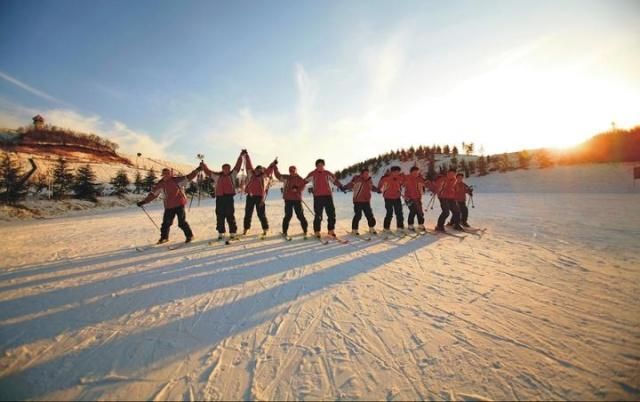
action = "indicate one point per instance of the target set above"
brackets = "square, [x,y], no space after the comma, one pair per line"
[321,239]
[435,232]
[338,239]
[363,237]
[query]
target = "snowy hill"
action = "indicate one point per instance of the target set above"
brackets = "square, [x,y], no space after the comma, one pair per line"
[583,178]
[104,170]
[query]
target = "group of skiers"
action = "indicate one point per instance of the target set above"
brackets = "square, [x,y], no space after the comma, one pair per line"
[394,186]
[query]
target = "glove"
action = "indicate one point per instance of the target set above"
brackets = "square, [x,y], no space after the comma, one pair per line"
[140,203]
[344,190]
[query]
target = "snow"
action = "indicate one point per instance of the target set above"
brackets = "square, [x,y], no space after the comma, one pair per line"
[542,306]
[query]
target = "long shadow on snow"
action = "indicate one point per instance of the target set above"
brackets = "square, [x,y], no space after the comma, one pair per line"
[170,282]
[130,257]
[195,275]
[22,271]
[213,326]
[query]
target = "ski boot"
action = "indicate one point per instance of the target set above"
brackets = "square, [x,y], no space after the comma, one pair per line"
[162,240]
[373,231]
[189,239]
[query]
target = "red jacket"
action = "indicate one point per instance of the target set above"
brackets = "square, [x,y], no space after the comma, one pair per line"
[172,189]
[320,181]
[414,187]
[293,185]
[447,188]
[257,184]
[461,190]
[361,188]
[391,186]
[225,182]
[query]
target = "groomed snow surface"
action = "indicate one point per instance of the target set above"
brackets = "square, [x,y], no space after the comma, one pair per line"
[544,305]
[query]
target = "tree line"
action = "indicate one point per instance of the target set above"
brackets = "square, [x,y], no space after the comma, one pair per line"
[63,182]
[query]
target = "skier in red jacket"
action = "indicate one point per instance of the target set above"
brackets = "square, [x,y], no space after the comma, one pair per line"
[414,188]
[362,186]
[174,202]
[322,198]
[446,194]
[390,185]
[256,190]
[461,191]
[225,191]
[292,194]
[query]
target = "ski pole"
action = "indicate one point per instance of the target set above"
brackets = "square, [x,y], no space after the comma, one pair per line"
[471,199]
[305,204]
[150,218]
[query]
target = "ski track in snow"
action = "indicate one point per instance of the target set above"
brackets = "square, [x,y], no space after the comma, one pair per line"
[542,306]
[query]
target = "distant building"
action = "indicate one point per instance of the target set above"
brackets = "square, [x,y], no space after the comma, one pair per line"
[38,121]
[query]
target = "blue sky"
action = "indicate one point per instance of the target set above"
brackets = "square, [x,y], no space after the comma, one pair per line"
[342,80]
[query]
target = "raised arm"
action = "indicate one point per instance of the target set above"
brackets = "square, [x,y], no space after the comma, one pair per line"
[249,164]
[279,176]
[271,168]
[238,165]
[155,192]
[193,174]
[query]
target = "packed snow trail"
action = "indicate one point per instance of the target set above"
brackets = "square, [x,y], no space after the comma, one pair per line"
[543,306]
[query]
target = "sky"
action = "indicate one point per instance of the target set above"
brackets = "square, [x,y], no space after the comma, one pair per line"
[340,80]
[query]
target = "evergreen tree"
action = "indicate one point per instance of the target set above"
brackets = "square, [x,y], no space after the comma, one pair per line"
[138,183]
[453,164]
[431,168]
[472,167]
[120,182]
[523,159]
[41,183]
[482,166]
[464,167]
[505,163]
[438,150]
[468,148]
[446,150]
[62,179]
[544,159]
[13,189]
[83,185]
[150,180]
[454,151]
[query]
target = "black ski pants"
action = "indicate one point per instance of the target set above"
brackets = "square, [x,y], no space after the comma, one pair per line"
[415,210]
[447,206]
[359,208]
[225,211]
[255,201]
[289,207]
[320,204]
[464,211]
[393,206]
[167,221]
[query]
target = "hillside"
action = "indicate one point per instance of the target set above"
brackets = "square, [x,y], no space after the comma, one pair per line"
[45,144]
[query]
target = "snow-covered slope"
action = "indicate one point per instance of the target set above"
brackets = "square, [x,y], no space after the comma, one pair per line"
[104,171]
[544,306]
[583,178]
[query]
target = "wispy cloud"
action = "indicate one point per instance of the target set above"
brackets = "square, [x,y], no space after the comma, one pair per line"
[31,89]
[130,141]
